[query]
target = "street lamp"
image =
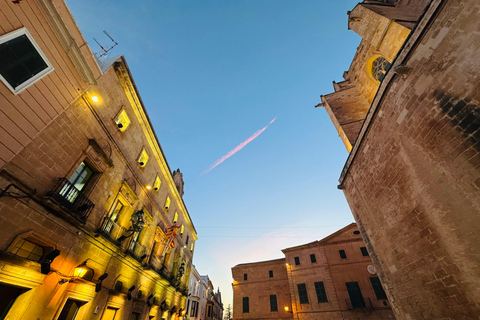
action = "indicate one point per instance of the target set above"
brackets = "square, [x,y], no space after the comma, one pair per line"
[137,225]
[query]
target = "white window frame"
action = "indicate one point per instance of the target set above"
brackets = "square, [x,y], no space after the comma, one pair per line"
[15,34]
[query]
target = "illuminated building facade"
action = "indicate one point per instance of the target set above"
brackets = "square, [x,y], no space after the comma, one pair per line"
[408,113]
[332,278]
[92,221]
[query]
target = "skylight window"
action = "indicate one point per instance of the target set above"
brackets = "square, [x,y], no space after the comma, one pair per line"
[22,62]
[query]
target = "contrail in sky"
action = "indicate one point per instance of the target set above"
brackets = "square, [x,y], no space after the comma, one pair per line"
[237,148]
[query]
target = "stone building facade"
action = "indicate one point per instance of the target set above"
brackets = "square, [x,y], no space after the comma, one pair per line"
[196,291]
[213,301]
[258,285]
[412,178]
[332,278]
[92,225]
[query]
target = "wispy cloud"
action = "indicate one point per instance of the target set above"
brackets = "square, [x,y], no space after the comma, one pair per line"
[237,148]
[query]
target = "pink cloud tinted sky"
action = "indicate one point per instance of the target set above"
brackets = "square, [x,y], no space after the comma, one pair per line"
[238,148]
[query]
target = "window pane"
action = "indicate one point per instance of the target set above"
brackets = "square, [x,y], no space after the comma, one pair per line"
[377,287]
[270,273]
[356,297]
[246,308]
[313,259]
[116,211]
[81,176]
[342,254]
[20,61]
[364,251]
[297,261]
[273,303]
[302,293]
[379,67]
[320,290]
[26,249]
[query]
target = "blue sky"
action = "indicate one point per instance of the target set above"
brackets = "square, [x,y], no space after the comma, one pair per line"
[212,73]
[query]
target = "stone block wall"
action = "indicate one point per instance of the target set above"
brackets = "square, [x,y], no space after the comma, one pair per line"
[414,183]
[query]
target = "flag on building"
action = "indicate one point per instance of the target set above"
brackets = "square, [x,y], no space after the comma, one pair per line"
[171,233]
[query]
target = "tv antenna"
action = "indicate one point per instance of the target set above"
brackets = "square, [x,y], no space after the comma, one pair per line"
[104,51]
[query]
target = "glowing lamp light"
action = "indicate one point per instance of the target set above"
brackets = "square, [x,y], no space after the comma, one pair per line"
[94,98]
[183,312]
[286,308]
[80,270]
[149,187]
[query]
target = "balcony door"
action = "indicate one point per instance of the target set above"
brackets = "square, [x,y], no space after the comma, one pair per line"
[355,295]
[81,176]
[79,179]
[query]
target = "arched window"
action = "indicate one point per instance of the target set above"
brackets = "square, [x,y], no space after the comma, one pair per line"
[380,66]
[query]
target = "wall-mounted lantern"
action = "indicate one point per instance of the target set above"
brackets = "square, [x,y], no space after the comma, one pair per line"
[137,225]
[79,273]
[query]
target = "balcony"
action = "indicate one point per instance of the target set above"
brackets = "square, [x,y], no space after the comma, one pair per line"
[137,251]
[112,230]
[73,200]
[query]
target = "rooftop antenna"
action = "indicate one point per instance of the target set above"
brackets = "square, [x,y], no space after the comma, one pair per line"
[105,51]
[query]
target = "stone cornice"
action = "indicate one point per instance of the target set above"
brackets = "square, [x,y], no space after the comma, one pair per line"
[136,103]
[66,40]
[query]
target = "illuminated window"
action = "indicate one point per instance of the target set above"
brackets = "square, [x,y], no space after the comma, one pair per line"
[28,250]
[175,217]
[156,185]
[142,160]
[122,121]
[22,63]
[182,228]
[191,247]
[167,203]
[82,175]
[380,66]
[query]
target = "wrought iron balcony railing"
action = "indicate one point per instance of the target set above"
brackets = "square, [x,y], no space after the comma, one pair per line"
[137,250]
[76,203]
[112,230]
